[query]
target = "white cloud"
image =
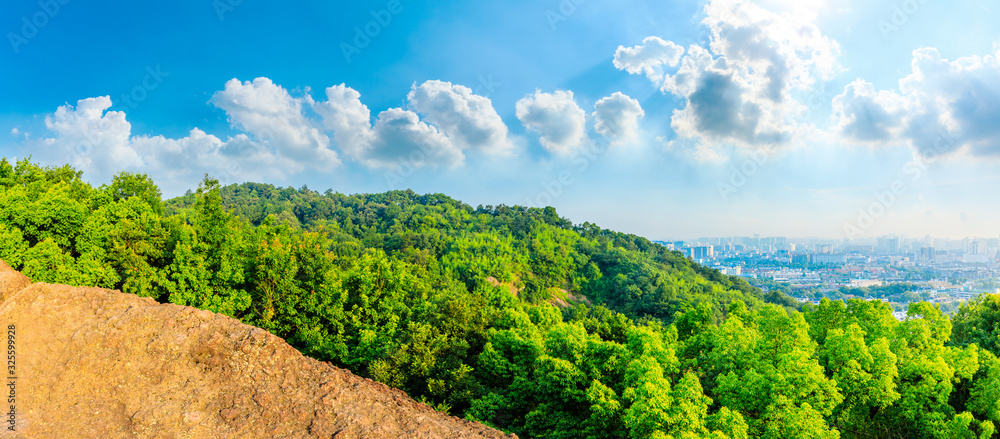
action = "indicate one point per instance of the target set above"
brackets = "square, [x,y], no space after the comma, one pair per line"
[400,134]
[183,161]
[349,119]
[469,120]
[14,131]
[950,106]
[559,121]
[738,89]
[648,58]
[617,117]
[280,137]
[273,116]
[287,134]
[397,138]
[99,143]
[93,140]
[863,115]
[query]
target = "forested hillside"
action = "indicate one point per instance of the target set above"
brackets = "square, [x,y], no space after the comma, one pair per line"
[536,251]
[514,317]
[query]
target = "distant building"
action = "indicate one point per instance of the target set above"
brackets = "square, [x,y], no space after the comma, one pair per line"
[703,252]
[828,258]
[893,244]
[926,253]
[865,283]
[731,271]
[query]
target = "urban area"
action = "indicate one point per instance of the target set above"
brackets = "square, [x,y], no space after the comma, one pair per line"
[895,269]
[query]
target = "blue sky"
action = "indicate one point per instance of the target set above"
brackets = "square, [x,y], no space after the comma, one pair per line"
[669,119]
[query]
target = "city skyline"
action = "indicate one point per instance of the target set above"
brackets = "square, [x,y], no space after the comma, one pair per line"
[899,241]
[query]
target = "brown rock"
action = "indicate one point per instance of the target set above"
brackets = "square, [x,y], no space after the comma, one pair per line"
[11,281]
[99,363]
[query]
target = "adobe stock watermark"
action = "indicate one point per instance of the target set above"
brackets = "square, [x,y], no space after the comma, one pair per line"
[554,188]
[750,166]
[408,164]
[30,28]
[885,199]
[739,176]
[901,13]
[562,12]
[223,7]
[153,78]
[80,157]
[365,34]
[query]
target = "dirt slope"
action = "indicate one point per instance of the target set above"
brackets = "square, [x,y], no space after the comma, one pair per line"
[98,363]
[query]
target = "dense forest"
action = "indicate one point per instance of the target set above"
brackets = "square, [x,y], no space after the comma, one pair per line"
[514,317]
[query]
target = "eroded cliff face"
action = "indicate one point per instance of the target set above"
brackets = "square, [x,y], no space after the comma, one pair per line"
[92,362]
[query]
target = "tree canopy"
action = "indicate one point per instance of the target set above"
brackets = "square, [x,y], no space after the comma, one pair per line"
[513,316]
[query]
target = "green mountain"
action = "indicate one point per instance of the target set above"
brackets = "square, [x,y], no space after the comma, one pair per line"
[541,254]
[512,316]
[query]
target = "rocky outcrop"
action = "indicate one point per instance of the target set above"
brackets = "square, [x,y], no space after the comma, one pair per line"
[92,362]
[11,281]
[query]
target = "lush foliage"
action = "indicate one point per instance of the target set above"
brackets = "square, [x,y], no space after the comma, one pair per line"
[514,317]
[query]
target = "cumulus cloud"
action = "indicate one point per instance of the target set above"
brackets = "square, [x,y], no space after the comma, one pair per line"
[864,115]
[349,119]
[100,143]
[950,106]
[559,121]
[398,136]
[95,141]
[279,136]
[738,89]
[268,112]
[469,120]
[455,120]
[400,133]
[648,58]
[617,117]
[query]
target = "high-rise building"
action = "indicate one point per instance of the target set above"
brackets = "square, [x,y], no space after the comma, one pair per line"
[893,244]
[927,253]
[702,252]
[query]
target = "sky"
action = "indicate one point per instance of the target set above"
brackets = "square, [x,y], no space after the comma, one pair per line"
[668,119]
